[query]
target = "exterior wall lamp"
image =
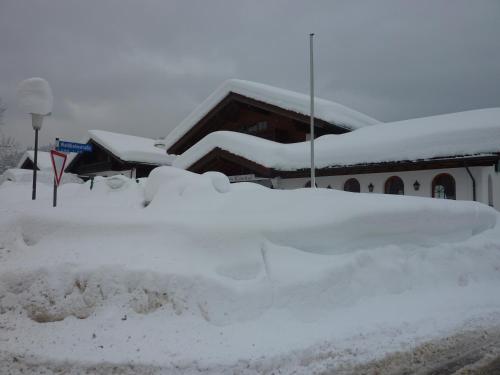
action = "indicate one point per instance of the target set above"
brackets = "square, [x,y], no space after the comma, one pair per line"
[370,188]
[416,185]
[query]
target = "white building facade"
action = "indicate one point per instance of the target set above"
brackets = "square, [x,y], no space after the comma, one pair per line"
[485,180]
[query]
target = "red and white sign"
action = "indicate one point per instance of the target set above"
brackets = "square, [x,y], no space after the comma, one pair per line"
[58,164]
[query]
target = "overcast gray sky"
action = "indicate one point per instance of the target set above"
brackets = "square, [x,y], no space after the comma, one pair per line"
[139,67]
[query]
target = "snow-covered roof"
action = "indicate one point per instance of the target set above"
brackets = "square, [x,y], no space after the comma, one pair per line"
[43,159]
[131,148]
[326,110]
[451,135]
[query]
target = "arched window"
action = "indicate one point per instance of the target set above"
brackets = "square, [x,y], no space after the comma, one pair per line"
[394,185]
[443,186]
[352,185]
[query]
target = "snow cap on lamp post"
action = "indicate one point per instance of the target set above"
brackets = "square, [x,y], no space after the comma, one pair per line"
[35,98]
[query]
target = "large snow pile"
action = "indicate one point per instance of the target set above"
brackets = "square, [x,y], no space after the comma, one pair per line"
[452,135]
[208,277]
[325,110]
[35,96]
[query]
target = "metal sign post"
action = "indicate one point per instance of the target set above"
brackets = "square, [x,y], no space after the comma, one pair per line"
[58,164]
[54,193]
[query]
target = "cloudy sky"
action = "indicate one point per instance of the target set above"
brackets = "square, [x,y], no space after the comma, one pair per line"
[140,67]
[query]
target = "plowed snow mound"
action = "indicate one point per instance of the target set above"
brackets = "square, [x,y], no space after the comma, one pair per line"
[218,278]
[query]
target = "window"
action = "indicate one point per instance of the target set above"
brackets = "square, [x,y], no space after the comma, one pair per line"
[443,186]
[394,185]
[352,185]
[256,128]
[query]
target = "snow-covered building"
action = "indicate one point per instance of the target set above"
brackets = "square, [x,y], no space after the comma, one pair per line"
[263,111]
[255,132]
[116,153]
[43,161]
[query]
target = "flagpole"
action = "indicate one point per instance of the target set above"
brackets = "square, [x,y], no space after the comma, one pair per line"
[313,172]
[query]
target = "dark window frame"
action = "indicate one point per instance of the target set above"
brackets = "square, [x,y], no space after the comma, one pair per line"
[391,185]
[452,186]
[352,185]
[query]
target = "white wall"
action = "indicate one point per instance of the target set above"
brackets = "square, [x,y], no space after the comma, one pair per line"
[424,177]
[495,179]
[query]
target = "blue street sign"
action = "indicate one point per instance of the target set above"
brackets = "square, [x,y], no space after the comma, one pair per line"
[65,146]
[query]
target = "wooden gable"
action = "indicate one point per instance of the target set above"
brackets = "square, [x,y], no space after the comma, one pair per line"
[219,160]
[246,115]
[98,160]
[101,159]
[28,164]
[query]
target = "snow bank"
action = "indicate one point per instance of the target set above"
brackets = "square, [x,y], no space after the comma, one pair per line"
[45,176]
[453,135]
[219,278]
[116,191]
[35,96]
[321,220]
[166,182]
[326,110]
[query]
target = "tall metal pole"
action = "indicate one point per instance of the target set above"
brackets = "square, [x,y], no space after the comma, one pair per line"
[313,172]
[33,190]
[54,192]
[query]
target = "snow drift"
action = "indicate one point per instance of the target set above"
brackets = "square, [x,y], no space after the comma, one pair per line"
[319,220]
[219,278]
[45,176]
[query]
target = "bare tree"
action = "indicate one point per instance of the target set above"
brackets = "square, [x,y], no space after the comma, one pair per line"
[10,152]
[3,108]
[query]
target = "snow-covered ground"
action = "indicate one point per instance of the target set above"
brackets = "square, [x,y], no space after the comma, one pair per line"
[182,273]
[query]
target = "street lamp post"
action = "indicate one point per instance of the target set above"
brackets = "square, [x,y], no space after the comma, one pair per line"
[35,98]
[36,122]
